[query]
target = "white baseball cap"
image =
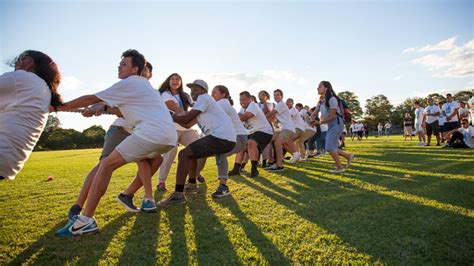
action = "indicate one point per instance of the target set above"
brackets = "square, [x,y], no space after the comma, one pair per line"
[198,82]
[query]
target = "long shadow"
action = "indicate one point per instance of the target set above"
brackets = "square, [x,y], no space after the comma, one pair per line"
[269,251]
[387,228]
[176,217]
[141,243]
[208,231]
[85,249]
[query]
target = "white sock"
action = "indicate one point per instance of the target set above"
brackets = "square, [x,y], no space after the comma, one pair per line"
[84,219]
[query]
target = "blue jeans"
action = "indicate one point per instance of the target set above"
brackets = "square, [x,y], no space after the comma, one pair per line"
[321,141]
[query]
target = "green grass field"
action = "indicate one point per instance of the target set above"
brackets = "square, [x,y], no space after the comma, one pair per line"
[399,204]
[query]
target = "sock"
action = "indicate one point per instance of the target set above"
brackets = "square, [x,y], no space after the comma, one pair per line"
[254,165]
[161,181]
[123,195]
[179,188]
[84,219]
[149,199]
[237,167]
[243,166]
[192,180]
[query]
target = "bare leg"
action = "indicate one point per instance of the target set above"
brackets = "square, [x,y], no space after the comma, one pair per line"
[81,199]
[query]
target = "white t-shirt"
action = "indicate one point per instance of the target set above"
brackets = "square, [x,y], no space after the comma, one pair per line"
[354,127]
[168,96]
[360,127]
[269,106]
[419,115]
[468,135]
[284,117]
[234,117]
[463,112]
[449,108]
[24,108]
[213,120]
[441,118]
[380,127]
[324,127]
[296,118]
[431,110]
[120,122]
[307,120]
[142,108]
[258,122]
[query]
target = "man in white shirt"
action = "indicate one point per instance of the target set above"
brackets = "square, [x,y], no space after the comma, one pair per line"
[299,124]
[118,131]
[260,133]
[220,138]
[464,112]
[153,134]
[462,137]
[283,138]
[450,110]
[441,121]
[418,124]
[431,121]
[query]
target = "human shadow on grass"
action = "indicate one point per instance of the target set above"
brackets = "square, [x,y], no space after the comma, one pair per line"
[88,249]
[212,242]
[176,217]
[269,251]
[390,229]
[141,243]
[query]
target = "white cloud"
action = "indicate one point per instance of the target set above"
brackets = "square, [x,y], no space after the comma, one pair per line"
[399,77]
[69,83]
[409,50]
[442,45]
[457,62]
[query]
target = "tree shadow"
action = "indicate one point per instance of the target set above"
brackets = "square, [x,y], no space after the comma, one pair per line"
[387,228]
[87,249]
[269,251]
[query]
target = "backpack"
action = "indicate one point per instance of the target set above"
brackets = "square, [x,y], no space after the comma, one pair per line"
[346,112]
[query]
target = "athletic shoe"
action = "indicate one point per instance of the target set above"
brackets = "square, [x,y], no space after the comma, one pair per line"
[275,168]
[201,179]
[76,228]
[234,172]
[148,205]
[161,187]
[337,171]
[349,161]
[270,166]
[74,211]
[127,202]
[243,171]
[191,188]
[222,191]
[174,198]
[302,159]
[254,174]
[296,156]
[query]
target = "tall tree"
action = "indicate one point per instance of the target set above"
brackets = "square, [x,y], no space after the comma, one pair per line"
[378,109]
[353,102]
[463,96]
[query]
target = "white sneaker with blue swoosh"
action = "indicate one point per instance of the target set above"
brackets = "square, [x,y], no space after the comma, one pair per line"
[76,227]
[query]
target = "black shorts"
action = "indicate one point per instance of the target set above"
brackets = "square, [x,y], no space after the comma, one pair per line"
[448,126]
[262,139]
[432,128]
[209,146]
[359,133]
[114,136]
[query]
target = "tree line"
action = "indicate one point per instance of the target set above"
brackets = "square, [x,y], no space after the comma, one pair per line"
[56,138]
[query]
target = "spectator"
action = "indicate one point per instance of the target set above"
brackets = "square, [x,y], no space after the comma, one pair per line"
[380,129]
[464,112]
[366,131]
[418,121]
[462,137]
[450,109]
[388,128]
[430,121]
[407,126]
[441,121]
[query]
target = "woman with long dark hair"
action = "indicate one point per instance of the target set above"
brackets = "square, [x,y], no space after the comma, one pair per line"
[331,114]
[177,102]
[26,95]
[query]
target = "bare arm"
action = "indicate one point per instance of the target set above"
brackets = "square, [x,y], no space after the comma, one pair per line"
[187,118]
[246,116]
[82,101]
[332,116]
[174,107]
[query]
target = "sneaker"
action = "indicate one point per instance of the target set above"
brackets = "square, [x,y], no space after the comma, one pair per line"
[222,191]
[74,211]
[148,205]
[161,187]
[174,198]
[201,179]
[234,172]
[127,202]
[76,228]
[302,159]
[270,166]
[275,168]
[254,174]
[296,156]
[191,188]
[349,161]
[337,171]
[243,171]
[287,158]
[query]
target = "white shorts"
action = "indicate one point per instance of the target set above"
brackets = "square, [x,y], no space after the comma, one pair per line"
[418,127]
[134,148]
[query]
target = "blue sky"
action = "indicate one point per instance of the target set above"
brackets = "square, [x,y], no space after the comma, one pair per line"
[399,48]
